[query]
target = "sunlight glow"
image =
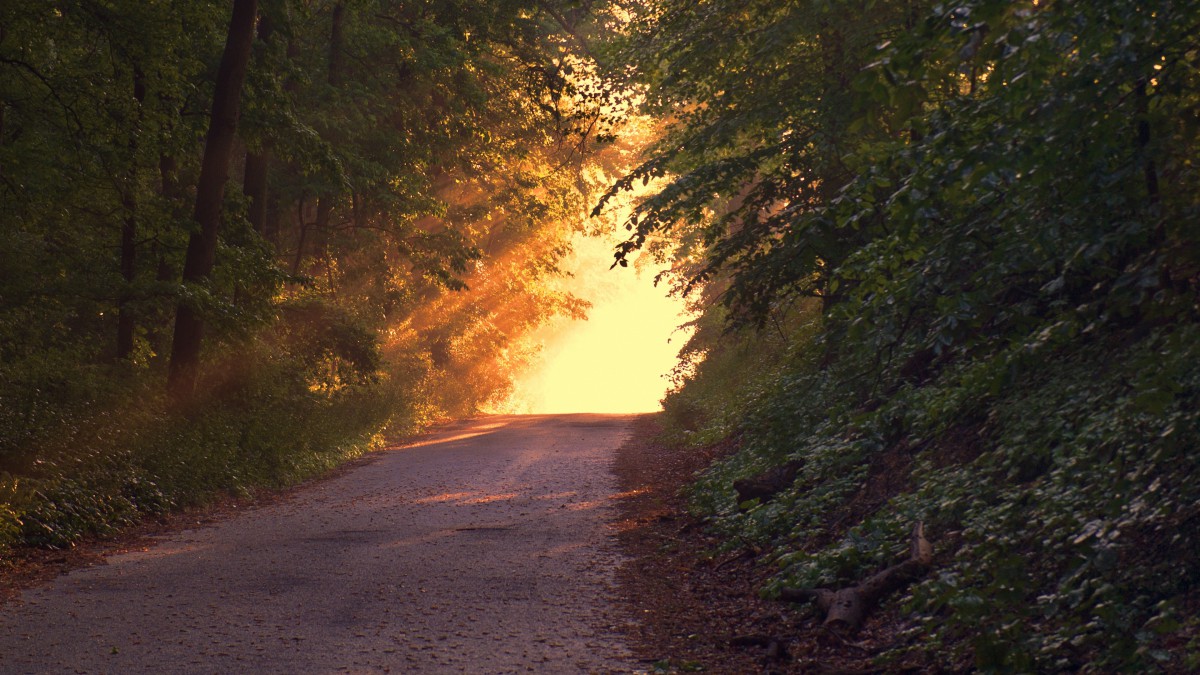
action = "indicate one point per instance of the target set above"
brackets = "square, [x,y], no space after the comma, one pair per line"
[615,361]
[476,430]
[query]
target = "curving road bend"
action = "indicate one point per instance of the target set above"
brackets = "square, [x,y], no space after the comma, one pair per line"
[482,548]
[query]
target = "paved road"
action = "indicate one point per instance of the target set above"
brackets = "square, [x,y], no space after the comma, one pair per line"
[483,548]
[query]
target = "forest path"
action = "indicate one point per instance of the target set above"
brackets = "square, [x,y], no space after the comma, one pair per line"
[482,548]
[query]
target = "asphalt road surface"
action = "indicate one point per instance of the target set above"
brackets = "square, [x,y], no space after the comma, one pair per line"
[483,548]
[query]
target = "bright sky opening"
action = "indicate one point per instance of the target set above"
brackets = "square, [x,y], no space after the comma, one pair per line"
[617,360]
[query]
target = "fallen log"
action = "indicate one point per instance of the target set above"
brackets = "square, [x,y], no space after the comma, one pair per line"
[846,608]
[769,483]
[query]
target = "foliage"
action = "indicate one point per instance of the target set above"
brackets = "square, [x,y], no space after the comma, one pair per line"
[405,178]
[264,426]
[995,203]
[701,406]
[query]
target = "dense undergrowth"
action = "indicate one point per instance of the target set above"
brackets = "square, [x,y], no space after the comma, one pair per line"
[995,203]
[311,224]
[1063,506]
[122,451]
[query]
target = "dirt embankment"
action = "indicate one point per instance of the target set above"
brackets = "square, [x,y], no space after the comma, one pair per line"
[700,611]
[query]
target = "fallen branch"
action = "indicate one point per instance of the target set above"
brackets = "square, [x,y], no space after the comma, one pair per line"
[769,483]
[845,609]
[734,558]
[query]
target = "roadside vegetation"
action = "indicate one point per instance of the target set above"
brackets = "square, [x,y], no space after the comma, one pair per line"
[947,257]
[242,241]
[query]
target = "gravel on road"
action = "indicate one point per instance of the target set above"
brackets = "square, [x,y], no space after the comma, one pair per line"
[486,547]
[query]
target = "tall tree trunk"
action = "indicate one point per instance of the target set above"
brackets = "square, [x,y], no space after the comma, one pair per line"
[126,323]
[254,186]
[271,223]
[210,191]
[337,44]
[157,333]
[325,200]
[1149,169]
[321,227]
[254,182]
[300,237]
[168,172]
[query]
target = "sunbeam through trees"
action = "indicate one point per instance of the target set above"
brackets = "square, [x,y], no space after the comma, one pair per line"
[939,263]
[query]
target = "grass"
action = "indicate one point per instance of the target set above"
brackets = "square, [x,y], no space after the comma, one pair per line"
[97,468]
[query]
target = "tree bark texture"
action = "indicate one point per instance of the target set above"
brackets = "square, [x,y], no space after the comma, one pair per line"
[325,199]
[126,322]
[254,186]
[210,191]
[1149,170]
[254,181]
[300,236]
[337,42]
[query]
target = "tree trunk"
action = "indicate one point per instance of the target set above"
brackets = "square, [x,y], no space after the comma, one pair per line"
[156,330]
[336,45]
[1149,170]
[271,222]
[126,323]
[254,182]
[254,186]
[325,199]
[300,237]
[210,191]
[321,227]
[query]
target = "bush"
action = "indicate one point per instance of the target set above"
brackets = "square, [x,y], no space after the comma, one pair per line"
[1063,503]
[272,418]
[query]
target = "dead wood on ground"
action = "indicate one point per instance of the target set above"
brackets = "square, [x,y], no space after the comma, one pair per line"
[846,608]
[769,483]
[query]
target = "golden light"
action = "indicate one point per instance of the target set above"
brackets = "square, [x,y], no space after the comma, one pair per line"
[615,361]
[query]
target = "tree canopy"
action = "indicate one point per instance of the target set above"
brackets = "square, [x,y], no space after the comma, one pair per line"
[328,214]
[945,255]
[953,243]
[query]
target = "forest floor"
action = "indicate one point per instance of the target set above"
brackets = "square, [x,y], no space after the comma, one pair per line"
[699,610]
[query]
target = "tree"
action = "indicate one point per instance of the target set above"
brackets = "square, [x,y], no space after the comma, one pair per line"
[440,133]
[218,150]
[977,191]
[759,127]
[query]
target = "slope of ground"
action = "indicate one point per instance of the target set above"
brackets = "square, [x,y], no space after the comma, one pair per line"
[698,610]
